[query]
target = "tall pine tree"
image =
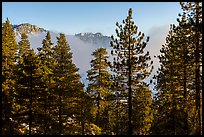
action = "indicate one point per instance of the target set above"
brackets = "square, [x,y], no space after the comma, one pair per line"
[99,86]
[68,84]
[180,67]
[193,10]
[170,85]
[29,76]
[45,55]
[9,50]
[132,63]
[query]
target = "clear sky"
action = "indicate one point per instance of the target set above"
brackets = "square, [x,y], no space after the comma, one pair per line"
[75,17]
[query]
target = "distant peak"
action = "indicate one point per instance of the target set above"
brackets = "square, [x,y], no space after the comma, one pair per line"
[94,38]
[27,28]
[98,34]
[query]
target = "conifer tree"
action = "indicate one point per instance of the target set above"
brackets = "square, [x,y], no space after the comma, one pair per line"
[184,63]
[179,67]
[131,63]
[193,10]
[170,83]
[45,55]
[142,110]
[175,60]
[100,83]
[67,83]
[9,50]
[29,76]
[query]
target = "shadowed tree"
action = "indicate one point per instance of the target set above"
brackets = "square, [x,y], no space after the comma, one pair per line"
[99,85]
[68,86]
[9,50]
[130,60]
[45,55]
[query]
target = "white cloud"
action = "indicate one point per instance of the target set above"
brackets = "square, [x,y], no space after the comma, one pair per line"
[157,39]
[82,51]
[157,36]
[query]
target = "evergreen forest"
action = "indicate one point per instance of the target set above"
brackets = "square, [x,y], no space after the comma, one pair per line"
[42,92]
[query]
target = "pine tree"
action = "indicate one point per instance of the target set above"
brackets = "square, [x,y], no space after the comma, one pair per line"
[184,46]
[169,84]
[193,10]
[184,64]
[29,76]
[45,55]
[9,50]
[177,57]
[119,114]
[68,86]
[99,86]
[143,116]
[131,63]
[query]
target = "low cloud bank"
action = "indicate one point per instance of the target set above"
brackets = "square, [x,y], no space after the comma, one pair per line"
[82,51]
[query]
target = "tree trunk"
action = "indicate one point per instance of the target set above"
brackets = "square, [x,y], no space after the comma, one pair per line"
[197,73]
[130,130]
[185,92]
[45,115]
[83,121]
[98,108]
[31,101]
[60,112]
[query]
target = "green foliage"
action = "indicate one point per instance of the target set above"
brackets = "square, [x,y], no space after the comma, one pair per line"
[45,55]
[193,13]
[99,87]
[131,64]
[9,49]
[178,79]
[28,75]
[42,93]
[142,110]
[68,86]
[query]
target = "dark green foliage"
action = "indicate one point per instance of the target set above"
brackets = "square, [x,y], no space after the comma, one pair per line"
[42,93]
[142,111]
[178,79]
[9,49]
[99,87]
[193,11]
[130,63]
[45,55]
[67,85]
[28,75]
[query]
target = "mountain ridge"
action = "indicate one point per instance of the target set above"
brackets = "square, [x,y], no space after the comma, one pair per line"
[27,28]
[94,38]
[80,46]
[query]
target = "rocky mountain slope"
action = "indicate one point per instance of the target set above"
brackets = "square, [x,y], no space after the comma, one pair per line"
[96,39]
[82,44]
[27,28]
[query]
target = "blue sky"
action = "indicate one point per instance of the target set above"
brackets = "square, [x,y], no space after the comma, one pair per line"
[74,17]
